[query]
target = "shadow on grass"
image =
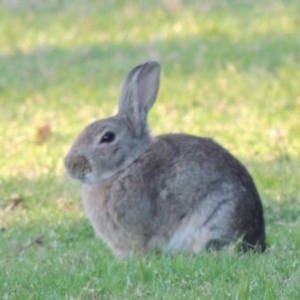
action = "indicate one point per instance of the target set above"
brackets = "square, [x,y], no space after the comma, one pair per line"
[106,64]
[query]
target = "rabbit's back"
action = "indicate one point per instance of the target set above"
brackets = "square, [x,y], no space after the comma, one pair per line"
[183,193]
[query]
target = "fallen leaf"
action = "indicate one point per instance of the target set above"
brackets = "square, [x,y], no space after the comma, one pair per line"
[42,133]
[15,201]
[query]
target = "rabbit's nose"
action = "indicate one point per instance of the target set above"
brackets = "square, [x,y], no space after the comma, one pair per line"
[77,166]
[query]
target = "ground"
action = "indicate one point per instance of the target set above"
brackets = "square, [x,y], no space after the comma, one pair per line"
[231,71]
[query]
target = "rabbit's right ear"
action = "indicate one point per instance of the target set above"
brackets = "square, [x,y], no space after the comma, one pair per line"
[139,94]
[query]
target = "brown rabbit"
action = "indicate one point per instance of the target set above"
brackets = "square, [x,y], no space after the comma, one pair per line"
[169,193]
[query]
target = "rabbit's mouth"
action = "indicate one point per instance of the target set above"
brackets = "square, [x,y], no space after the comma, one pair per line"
[80,177]
[91,179]
[86,178]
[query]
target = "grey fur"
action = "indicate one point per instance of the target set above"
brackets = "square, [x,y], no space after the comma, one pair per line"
[170,193]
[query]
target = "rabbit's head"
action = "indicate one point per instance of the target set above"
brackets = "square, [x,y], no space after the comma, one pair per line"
[107,146]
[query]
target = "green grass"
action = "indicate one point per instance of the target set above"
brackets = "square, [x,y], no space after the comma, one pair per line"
[231,70]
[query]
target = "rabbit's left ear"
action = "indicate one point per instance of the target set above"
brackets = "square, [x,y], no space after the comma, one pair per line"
[139,93]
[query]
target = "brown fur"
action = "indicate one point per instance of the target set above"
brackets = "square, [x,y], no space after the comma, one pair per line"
[175,192]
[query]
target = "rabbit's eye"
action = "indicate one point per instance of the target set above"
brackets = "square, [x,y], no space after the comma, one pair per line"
[108,137]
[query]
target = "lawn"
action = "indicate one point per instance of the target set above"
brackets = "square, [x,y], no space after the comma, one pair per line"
[230,70]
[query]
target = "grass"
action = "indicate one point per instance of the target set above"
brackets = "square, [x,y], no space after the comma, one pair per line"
[231,70]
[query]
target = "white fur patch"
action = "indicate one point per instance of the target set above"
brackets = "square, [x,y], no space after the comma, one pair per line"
[211,221]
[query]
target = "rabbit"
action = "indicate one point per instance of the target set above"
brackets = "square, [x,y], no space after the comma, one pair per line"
[169,193]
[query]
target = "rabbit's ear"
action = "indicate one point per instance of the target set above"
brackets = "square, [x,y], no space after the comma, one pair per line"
[139,94]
